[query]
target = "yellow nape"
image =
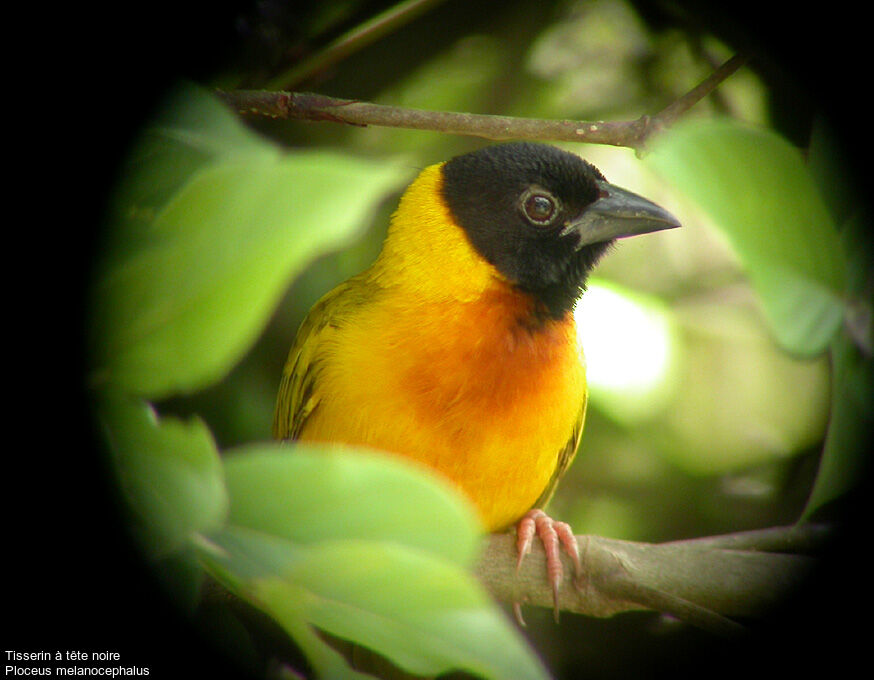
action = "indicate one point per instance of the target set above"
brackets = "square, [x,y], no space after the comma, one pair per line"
[427,252]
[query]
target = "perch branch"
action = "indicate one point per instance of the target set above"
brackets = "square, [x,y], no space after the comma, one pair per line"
[317,107]
[701,581]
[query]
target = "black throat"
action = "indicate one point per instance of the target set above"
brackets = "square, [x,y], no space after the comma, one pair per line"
[483,190]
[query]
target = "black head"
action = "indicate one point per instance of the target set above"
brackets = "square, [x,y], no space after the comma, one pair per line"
[543,216]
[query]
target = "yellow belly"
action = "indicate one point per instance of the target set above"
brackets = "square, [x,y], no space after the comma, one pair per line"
[471,393]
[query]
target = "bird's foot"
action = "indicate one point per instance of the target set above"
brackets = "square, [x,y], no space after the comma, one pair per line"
[554,536]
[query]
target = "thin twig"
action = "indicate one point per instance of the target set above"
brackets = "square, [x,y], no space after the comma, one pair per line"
[360,36]
[317,107]
[672,112]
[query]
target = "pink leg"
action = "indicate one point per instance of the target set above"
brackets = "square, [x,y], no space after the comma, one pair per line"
[554,536]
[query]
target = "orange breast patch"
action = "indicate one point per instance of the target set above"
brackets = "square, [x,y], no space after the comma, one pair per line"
[478,392]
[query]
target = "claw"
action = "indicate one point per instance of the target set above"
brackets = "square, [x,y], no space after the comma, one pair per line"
[517,612]
[554,536]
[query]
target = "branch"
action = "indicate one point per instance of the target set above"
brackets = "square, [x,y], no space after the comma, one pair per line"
[317,107]
[701,581]
[371,30]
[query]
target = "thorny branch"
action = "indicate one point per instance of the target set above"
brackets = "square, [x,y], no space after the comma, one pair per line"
[317,107]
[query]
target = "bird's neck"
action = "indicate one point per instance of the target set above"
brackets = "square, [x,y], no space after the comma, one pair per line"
[426,254]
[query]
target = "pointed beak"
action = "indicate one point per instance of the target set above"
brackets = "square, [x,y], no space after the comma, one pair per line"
[617,214]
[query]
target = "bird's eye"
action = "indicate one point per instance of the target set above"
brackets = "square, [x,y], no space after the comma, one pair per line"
[539,207]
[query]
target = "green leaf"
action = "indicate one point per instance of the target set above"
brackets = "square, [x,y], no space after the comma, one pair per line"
[848,441]
[426,614]
[188,290]
[308,494]
[759,192]
[192,131]
[847,444]
[169,473]
[325,659]
[366,547]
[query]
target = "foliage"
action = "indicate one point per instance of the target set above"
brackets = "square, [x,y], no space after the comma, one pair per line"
[761,195]
[186,294]
[765,200]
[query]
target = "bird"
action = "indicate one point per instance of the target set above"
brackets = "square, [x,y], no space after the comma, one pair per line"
[458,346]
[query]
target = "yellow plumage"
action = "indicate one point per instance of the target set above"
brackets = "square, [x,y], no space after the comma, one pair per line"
[431,354]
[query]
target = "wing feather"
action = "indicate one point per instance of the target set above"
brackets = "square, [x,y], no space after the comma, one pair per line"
[565,458]
[298,395]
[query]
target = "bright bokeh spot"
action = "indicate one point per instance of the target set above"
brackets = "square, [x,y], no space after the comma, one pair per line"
[629,343]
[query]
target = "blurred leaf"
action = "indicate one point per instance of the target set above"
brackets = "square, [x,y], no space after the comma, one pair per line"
[587,62]
[182,576]
[425,614]
[826,160]
[368,548]
[460,78]
[189,132]
[847,444]
[744,401]
[758,190]
[309,494]
[169,472]
[185,297]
